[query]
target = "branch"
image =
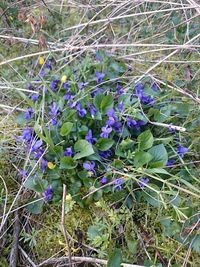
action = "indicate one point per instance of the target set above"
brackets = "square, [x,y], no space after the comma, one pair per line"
[82,259]
[63,225]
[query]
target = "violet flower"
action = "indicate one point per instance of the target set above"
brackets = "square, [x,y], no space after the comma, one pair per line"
[54,113]
[68,152]
[104,180]
[181,150]
[27,134]
[28,114]
[105,154]
[65,85]
[93,110]
[89,166]
[118,184]
[82,85]
[120,107]
[90,138]
[48,194]
[34,97]
[143,182]
[43,164]
[81,111]
[36,146]
[106,130]
[99,76]
[54,85]
[170,162]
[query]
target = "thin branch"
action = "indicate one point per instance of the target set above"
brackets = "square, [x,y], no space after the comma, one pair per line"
[82,259]
[63,225]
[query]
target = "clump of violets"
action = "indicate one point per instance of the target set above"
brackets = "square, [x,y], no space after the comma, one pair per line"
[89,127]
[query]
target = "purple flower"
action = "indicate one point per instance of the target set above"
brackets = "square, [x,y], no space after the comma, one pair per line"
[90,138]
[104,180]
[43,164]
[28,114]
[72,104]
[141,123]
[36,146]
[118,183]
[139,91]
[39,153]
[130,122]
[147,100]
[181,150]
[99,76]
[23,173]
[48,66]
[143,181]
[53,109]
[30,87]
[112,117]
[42,73]
[106,131]
[48,194]
[34,97]
[120,106]
[105,154]
[82,85]
[27,134]
[66,85]
[96,92]
[67,96]
[117,127]
[54,85]
[155,87]
[119,88]
[81,111]
[68,152]
[93,110]
[170,162]
[89,166]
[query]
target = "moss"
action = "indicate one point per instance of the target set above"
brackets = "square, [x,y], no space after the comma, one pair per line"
[49,229]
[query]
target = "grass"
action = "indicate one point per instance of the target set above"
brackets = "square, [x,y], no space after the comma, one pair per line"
[156,38]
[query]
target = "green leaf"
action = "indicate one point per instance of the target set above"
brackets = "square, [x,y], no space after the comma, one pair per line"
[104,144]
[159,155]
[36,184]
[103,103]
[141,158]
[66,128]
[145,140]
[132,246]
[83,148]
[36,207]
[20,119]
[152,197]
[67,163]
[196,244]
[115,259]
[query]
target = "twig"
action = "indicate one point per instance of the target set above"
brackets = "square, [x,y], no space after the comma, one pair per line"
[14,249]
[63,225]
[27,257]
[82,259]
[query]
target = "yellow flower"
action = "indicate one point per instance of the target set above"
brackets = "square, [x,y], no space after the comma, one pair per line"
[51,165]
[68,198]
[64,79]
[169,77]
[41,60]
